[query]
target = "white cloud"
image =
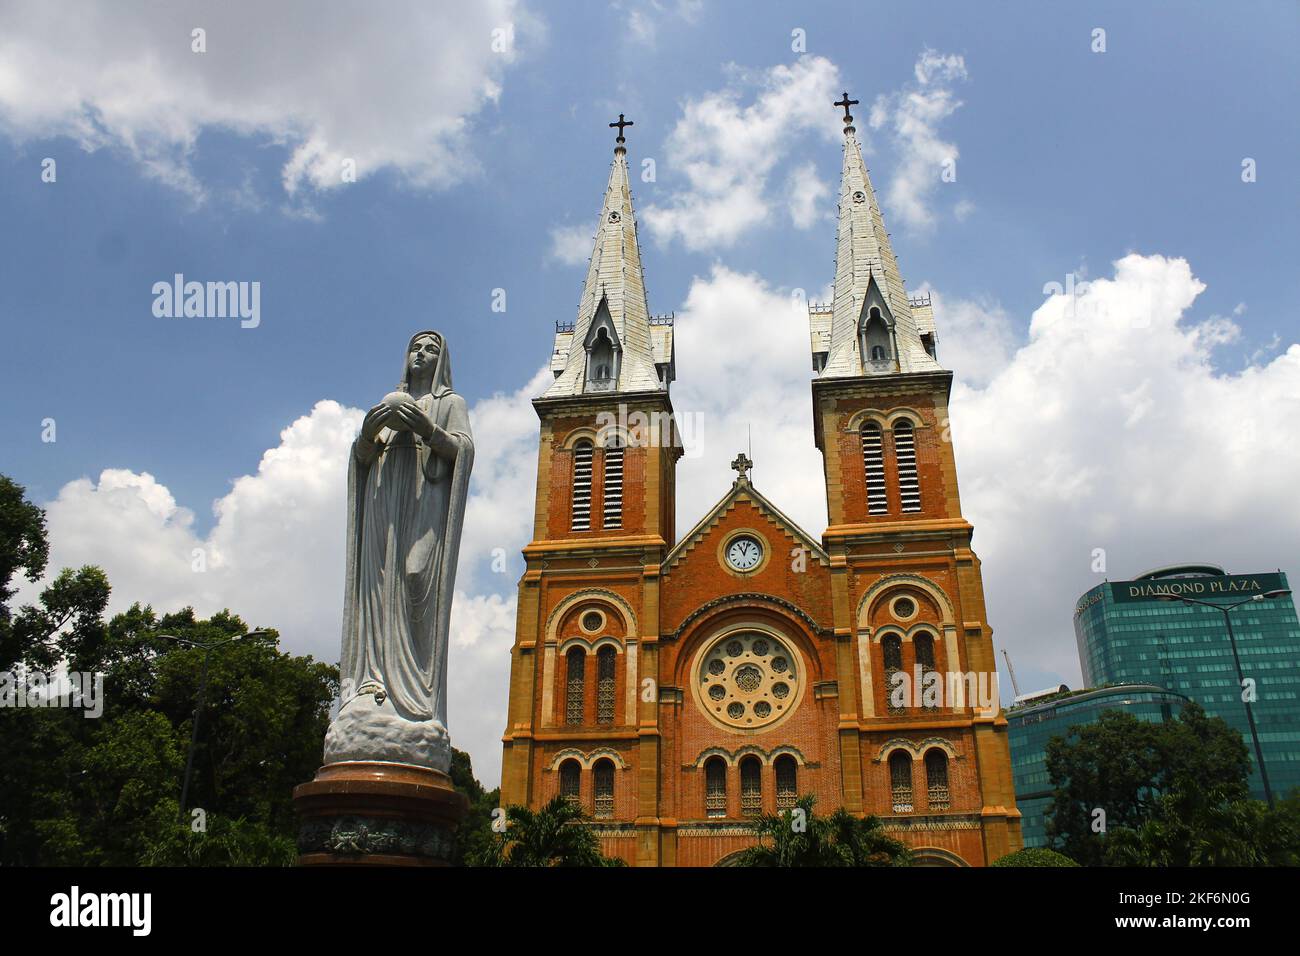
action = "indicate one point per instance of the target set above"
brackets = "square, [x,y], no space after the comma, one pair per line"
[756,388]
[805,191]
[1109,427]
[392,89]
[727,151]
[911,116]
[645,16]
[571,245]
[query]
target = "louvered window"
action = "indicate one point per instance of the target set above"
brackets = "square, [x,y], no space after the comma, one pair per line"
[577,679]
[715,787]
[570,780]
[602,776]
[787,782]
[873,461]
[582,486]
[613,487]
[751,787]
[900,781]
[605,685]
[909,486]
[936,778]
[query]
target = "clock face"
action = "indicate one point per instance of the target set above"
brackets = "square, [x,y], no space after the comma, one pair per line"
[744,553]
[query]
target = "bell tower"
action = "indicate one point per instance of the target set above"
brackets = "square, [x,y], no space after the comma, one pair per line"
[899,547]
[587,628]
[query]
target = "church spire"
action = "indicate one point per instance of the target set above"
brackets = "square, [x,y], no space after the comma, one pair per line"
[611,346]
[873,328]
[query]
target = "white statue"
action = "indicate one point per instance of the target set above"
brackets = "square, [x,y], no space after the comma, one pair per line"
[408,479]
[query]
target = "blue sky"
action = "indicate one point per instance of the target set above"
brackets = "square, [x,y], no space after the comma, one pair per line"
[1067,160]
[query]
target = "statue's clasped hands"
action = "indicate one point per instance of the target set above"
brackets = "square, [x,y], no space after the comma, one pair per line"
[400,416]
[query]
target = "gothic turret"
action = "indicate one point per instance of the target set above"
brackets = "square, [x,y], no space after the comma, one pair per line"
[871,327]
[614,345]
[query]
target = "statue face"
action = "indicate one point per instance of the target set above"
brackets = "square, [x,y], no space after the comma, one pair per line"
[424,354]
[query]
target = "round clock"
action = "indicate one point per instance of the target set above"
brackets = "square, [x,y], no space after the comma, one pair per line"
[744,553]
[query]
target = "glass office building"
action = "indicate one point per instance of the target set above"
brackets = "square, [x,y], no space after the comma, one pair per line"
[1031,726]
[1127,635]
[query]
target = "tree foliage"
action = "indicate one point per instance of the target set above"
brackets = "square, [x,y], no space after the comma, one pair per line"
[77,790]
[555,835]
[799,837]
[1172,794]
[1035,856]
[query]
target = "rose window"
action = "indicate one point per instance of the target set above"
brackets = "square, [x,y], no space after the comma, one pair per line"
[748,680]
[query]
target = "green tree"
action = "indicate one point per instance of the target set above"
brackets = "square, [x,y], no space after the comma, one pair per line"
[475,832]
[23,548]
[1121,766]
[1035,856]
[1209,826]
[555,835]
[799,837]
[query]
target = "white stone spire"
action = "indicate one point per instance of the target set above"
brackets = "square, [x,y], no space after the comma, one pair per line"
[867,280]
[611,347]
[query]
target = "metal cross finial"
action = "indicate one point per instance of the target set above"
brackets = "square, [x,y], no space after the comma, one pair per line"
[742,464]
[846,103]
[620,124]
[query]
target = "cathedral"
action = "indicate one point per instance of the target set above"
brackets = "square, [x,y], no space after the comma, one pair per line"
[676,688]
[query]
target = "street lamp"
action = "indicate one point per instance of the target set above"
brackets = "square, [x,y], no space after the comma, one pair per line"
[1226,610]
[207,649]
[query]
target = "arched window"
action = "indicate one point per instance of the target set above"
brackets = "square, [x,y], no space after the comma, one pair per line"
[900,781]
[602,778]
[582,486]
[924,645]
[715,787]
[873,461]
[892,646]
[576,685]
[874,341]
[605,685]
[571,780]
[600,362]
[613,487]
[787,782]
[936,778]
[909,486]
[751,786]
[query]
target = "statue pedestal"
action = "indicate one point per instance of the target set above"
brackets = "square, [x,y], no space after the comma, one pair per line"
[364,813]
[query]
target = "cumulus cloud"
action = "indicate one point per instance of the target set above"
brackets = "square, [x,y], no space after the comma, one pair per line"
[1108,426]
[392,89]
[571,245]
[727,151]
[911,117]
[805,191]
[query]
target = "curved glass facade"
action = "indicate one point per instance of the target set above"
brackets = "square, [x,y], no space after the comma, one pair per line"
[1031,727]
[1185,649]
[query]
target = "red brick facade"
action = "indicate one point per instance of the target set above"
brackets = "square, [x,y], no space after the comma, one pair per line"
[630,614]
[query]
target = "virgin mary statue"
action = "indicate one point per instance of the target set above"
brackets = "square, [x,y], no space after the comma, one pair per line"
[408,476]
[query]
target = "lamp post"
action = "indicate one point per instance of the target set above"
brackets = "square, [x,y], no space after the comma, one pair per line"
[1226,610]
[207,649]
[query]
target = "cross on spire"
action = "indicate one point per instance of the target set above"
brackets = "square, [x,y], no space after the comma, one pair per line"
[846,103]
[742,464]
[620,124]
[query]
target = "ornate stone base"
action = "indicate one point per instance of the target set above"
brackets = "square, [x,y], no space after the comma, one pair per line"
[366,813]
